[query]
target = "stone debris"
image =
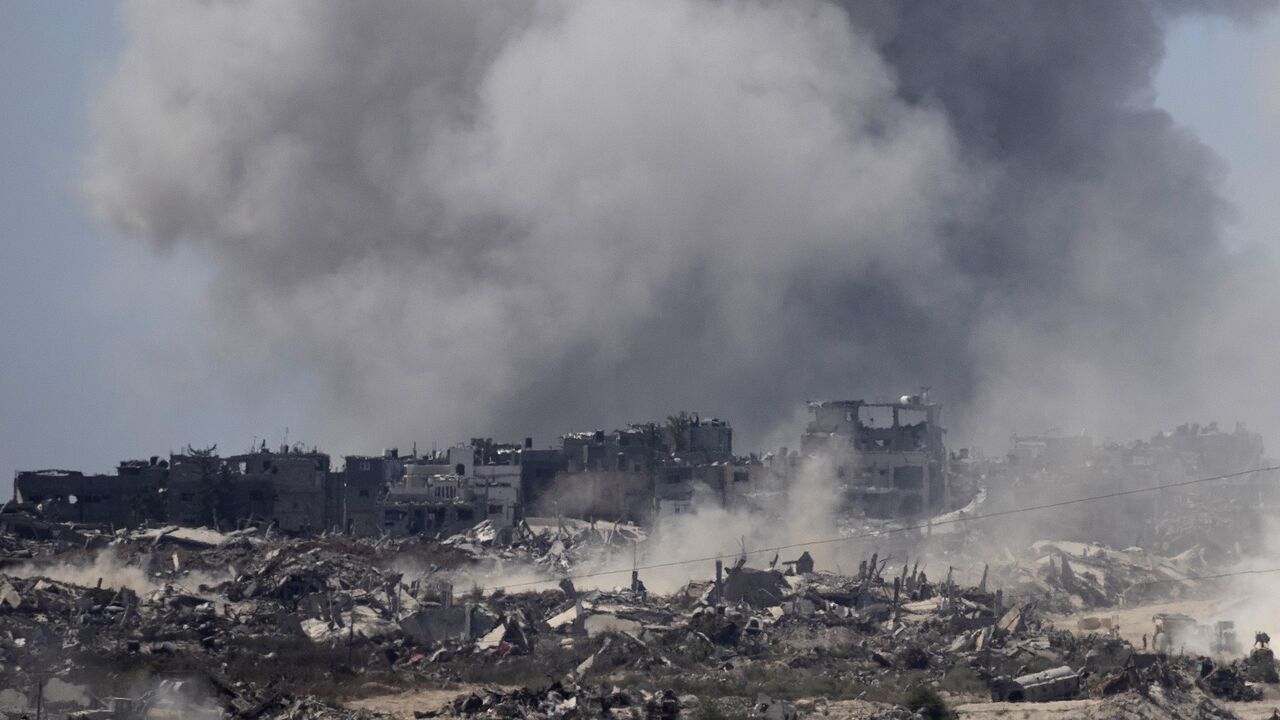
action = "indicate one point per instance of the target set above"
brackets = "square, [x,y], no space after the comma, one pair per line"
[276,627]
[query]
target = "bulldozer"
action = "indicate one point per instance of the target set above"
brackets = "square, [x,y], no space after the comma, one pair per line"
[1173,631]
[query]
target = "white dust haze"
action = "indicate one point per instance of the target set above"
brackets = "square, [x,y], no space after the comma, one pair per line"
[682,547]
[115,572]
[508,218]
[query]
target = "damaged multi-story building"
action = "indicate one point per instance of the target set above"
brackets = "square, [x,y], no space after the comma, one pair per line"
[888,457]
[292,490]
[365,480]
[1052,467]
[289,489]
[130,497]
[636,472]
[453,489]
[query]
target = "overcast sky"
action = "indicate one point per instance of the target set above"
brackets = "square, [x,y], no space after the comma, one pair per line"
[76,304]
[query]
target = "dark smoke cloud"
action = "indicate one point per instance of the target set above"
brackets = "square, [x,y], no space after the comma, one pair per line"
[457,217]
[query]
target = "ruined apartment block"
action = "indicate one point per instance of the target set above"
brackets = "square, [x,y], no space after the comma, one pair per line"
[888,456]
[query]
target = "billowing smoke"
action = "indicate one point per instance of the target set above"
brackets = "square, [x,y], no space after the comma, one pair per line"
[508,217]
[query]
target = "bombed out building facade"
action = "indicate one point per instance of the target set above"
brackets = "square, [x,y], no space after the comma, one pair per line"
[889,457]
[293,490]
[631,473]
[885,459]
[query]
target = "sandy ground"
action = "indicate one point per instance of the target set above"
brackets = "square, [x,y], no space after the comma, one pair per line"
[1026,711]
[403,704]
[1136,621]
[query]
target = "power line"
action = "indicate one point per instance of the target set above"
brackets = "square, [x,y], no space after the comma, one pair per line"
[1190,578]
[1165,581]
[909,528]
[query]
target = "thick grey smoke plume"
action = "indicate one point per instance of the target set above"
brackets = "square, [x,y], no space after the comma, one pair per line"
[455,217]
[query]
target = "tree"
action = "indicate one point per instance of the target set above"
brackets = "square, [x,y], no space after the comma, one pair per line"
[208,488]
[923,700]
[678,425]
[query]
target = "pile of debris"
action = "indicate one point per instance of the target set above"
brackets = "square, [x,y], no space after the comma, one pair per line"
[560,700]
[554,546]
[263,626]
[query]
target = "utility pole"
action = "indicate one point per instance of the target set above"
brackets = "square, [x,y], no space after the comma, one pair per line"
[39,695]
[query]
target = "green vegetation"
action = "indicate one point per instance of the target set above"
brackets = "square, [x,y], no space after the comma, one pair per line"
[924,700]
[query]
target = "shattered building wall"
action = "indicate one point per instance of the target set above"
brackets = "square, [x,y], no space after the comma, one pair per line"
[456,460]
[295,483]
[888,457]
[538,469]
[365,481]
[435,504]
[1048,468]
[199,489]
[698,440]
[674,489]
[72,496]
[743,481]
[632,449]
[287,489]
[608,494]
[1213,451]
[401,518]
[632,472]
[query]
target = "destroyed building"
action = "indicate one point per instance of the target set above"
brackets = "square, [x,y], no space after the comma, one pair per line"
[365,480]
[1050,467]
[292,490]
[1212,451]
[1051,450]
[889,457]
[448,492]
[127,498]
[605,474]
[288,489]
[295,491]
[636,472]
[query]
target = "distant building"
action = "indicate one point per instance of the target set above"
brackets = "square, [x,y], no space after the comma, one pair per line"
[1212,451]
[538,470]
[1059,452]
[419,504]
[123,500]
[631,473]
[700,441]
[286,489]
[365,480]
[889,457]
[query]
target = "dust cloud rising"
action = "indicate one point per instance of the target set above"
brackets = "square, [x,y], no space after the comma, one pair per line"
[513,218]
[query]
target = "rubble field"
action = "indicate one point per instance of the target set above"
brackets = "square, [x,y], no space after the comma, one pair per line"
[178,622]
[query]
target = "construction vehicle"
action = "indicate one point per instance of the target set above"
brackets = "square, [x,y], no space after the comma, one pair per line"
[1225,641]
[1173,631]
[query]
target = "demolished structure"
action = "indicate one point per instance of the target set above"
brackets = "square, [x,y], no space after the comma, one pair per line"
[264,626]
[635,473]
[889,456]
